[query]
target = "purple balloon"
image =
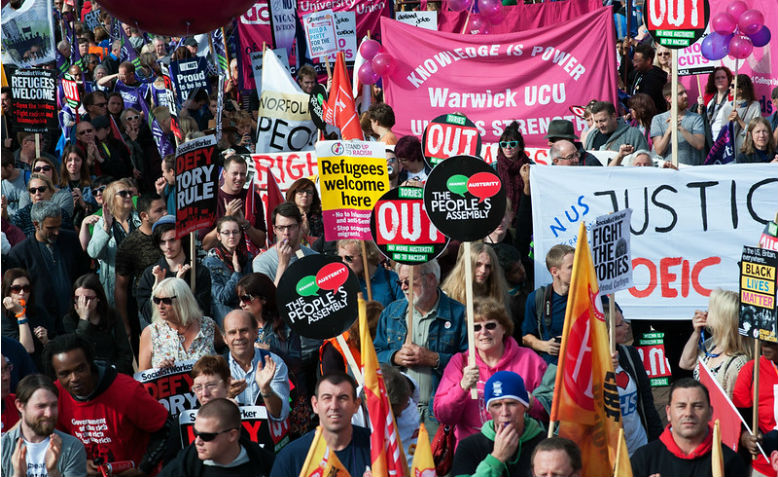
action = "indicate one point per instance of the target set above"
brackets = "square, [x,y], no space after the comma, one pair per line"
[751,21]
[736,9]
[740,47]
[723,23]
[366,74]
[383,64]
[369,48]
[762,37]
[715,46]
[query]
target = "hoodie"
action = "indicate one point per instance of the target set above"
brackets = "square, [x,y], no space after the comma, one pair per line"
[473,455]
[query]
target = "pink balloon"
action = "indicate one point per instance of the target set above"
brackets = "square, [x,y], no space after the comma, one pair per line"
[179,17]
[459,5]
[740,46]
[383,64]
[369,48]
[723,23]
[736,9]
[751,21]
[478,25]
[494,12]
[366,74]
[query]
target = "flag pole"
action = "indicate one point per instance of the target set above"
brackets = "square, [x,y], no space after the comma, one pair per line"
[469,309]
[612,321]
[674,108]
[755,399]
[717,467]
[350,358]
[618,451]
[409,334]
[366,271]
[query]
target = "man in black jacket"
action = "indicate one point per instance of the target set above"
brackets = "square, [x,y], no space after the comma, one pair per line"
[218,448]
[647,78]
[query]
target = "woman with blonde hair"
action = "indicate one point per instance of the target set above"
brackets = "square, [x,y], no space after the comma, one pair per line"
[725,351]
[488,278]
[179,331]
[118,220]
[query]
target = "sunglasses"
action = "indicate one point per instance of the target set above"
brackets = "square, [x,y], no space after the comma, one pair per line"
[349,258]
[209,436]
[41,189]
[133,118]
[509,143]
[42,168]
[167,300]
[99,190]
[85,131]
[124,193]
[305,192]
[491,326]
[246,298]
[20,288]
[100,105]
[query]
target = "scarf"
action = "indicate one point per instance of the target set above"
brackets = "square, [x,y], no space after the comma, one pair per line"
[703,449]
[226,257]
[508,170]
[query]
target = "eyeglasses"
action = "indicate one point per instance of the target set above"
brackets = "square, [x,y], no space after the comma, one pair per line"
[87,298]
[349,258]
[230,232]
[200,387]
[569,157]
[20,288]
[99,190]
[124,193]
[167,300]
[85,131]
[209,436]
[489,325]
[305,192]
[509,143]
[42,168]
[36,190]
[284,228]
[666,53]
[247,298]
[133,118]
[100,105]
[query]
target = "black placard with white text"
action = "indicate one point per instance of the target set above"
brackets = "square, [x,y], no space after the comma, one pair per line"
[197,180]
[34,101]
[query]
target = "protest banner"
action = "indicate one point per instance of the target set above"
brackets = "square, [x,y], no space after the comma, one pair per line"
[676,25]
[34,102]
[320,33]
[268,434]
[464,198]
[450,135]
[529,76]
[70,88]
[345,36]
[254,32]
[402,230]
[284,123]
[317,296]
[283,20]
[651,349]
[707,213]
[316,102]
[368,13]
[691,62]
[188,76]
[92,19]
[256,65]
[428,20]
[522,17]
[28,33]
[197,178]
[769,237]
[758,312]
[170,386]
[611,251]
[353,177]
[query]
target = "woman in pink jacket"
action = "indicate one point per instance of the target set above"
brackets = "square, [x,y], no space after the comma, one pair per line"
[496,350]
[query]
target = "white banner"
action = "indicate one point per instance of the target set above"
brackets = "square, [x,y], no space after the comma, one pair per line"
[688,227]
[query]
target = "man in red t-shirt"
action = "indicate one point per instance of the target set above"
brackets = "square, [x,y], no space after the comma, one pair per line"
[10,415]
[111,413]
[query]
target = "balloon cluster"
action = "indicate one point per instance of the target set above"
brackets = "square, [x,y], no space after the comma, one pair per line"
[486,13]
[377,63]
[736,32]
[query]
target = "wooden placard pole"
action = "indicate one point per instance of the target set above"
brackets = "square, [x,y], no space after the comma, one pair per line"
[366,271]
[612,321]
[734,91]
[469,307]
[37,147]
[213,52]
[409,325]
[674,108]
[467,18]
[755,398]
[192,261]
[350,359]
[226,51]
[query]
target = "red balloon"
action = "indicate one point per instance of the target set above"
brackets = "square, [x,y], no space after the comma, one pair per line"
[181,17]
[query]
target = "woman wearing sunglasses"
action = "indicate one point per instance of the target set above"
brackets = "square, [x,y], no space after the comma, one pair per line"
[22,319]
[61,196]
[510,158]
[96,321]
[74,177]
[179,331]
[118,220]
[227,263]
[40,188]
[496,350]
[725,351]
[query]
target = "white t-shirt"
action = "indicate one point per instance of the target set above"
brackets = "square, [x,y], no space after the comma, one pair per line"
[634,433]
[36,458]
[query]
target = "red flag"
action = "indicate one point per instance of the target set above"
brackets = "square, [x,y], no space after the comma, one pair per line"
[723,409]
[274,197]
[339,110]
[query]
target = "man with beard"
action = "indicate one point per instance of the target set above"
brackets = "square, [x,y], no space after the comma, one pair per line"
[691,141]
[34,447]
[111,413]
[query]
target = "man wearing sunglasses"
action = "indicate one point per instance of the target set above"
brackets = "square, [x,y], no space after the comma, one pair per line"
[219,448]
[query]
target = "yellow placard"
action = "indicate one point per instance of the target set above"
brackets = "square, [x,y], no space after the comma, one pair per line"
[757,284]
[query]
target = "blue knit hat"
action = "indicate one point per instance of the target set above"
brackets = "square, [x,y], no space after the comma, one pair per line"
[506,384]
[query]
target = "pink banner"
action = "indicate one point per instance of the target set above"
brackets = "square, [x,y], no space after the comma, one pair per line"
[524,16]
[368,12]
[253,31]
[761,65]
[530,76]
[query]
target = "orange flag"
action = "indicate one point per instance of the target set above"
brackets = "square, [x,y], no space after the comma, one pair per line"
[386,450]
[423,463]
[320,461]
[339,110]
[586,396]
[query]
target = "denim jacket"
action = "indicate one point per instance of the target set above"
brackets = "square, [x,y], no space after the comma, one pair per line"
[447,334]
[223,282]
